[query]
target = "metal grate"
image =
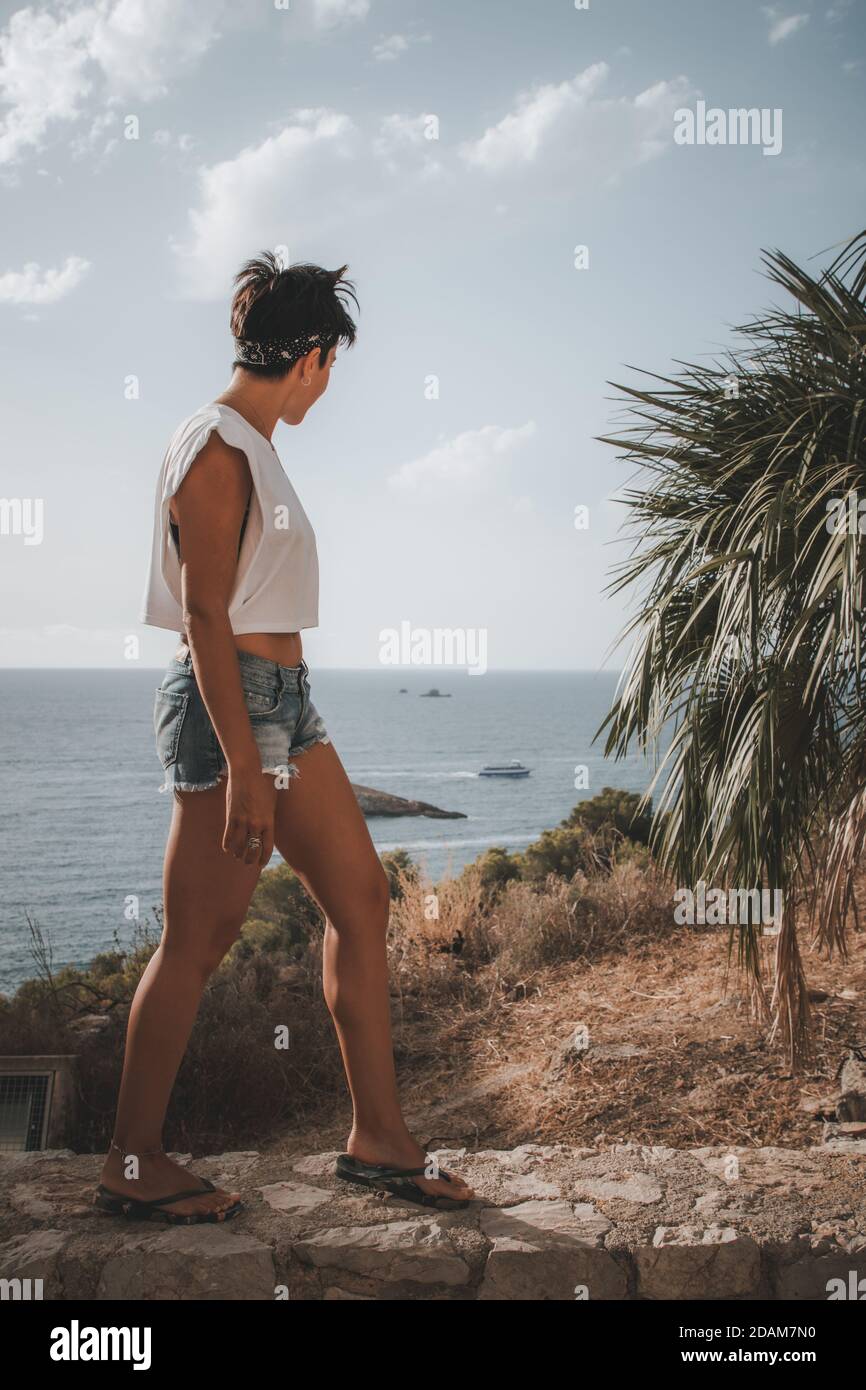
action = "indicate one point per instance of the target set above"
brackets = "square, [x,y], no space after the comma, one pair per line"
[24,1103]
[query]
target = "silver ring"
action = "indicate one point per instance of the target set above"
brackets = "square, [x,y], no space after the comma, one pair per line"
[254,842]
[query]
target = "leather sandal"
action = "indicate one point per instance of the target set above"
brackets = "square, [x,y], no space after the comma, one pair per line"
[385,1180]
[136,1209]
[139,1209]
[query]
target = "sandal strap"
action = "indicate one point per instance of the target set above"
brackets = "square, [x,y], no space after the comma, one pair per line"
[408,1173]
[161,1201]
[395,1173]
[385,1171]
[180,1196]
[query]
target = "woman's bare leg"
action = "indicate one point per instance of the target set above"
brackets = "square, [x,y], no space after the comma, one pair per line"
[206,896]
[320,831]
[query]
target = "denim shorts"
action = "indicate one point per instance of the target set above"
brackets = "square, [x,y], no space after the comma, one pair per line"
[283,718]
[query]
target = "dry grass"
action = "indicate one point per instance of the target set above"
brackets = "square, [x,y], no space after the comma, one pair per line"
[604,955]
[486,983]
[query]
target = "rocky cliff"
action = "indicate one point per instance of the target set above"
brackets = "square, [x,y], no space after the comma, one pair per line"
[375,803]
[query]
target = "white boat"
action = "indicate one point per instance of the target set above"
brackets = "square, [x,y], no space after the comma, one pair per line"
[512,769]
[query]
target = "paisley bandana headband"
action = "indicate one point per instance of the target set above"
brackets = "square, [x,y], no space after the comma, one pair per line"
[277,349]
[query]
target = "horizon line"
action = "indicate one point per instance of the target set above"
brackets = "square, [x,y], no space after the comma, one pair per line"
[406,670]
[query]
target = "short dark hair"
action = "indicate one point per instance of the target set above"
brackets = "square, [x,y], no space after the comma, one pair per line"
[271,301]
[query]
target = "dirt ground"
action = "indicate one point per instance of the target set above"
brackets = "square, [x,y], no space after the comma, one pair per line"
[702,1071]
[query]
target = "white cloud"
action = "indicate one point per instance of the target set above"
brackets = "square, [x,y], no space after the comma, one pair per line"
[305,184]
[782,26]
[52,68]
[142,45]
[321,173]
[93,53]
[464,462]
[98,138]
[42,76]
[167,140]
[289,187]
[328,14]
[414,138]
[401,130]
[390,46]
[33,285]
[518,137]
[572,122]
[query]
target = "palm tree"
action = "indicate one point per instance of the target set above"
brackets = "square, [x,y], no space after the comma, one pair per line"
[748,568]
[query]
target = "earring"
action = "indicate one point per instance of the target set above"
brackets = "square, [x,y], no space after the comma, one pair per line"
[305,381]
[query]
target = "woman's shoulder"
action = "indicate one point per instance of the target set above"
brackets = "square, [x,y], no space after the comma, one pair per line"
[195,428]
[194,432]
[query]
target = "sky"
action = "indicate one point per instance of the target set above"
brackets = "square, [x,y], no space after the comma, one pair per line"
[456,155]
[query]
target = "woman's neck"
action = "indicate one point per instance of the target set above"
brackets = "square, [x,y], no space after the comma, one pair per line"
[264,401]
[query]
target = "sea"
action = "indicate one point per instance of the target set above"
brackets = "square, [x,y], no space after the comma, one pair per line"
[83,822]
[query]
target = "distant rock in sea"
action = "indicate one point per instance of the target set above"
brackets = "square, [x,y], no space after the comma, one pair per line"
[375,803]
[435,694]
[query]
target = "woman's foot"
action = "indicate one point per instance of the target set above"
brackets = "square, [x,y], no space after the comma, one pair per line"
[159,1176]
[401,1151]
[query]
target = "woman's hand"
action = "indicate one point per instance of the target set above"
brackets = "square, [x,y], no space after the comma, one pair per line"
[250,798]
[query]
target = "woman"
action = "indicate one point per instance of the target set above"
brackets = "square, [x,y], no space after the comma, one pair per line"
[234,571]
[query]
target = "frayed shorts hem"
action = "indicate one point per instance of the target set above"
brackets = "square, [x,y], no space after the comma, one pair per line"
[284,721]
[288,771]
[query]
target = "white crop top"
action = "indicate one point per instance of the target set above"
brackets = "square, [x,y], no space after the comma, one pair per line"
[277,582]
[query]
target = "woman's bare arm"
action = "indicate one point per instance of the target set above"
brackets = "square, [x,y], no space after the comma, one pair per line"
[209,507]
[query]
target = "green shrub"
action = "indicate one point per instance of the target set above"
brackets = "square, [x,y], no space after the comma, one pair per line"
[564,852]
[400,870]
[613,810]
[282,902]
[257,935]
[495,867]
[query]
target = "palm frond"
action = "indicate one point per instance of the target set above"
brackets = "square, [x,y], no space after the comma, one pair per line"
[748,637]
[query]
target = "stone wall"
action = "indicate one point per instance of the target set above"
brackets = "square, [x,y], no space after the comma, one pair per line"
[551,1222]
